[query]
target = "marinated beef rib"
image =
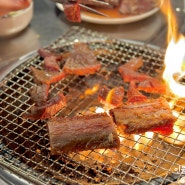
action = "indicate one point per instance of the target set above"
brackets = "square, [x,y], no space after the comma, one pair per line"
[79,133]
[151,115]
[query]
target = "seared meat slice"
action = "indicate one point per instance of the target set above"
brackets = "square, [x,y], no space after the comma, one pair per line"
[111,97]
[128,71]
[43,52]
[129,75]
[47,110]
[133,94]
[80,133]
[51,64]
[134,63]
[144,82]
[151,115]
[81,47]
[39,94]
[72,12]
[152,85]
[47,77]
[82,61]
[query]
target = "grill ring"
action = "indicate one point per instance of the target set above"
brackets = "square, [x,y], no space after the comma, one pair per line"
[25,144]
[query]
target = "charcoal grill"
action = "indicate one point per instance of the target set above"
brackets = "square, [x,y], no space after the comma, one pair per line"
[24,144]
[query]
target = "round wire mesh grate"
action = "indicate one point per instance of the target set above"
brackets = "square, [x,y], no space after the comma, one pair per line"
[25,144]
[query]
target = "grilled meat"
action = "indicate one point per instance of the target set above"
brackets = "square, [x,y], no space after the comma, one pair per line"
[43,52]
[51,64]
[47,77]
[134,95]
[111,97]
[152,85]
[49,109]
[129,75]
[79,133]
[72,12]
[151,115]
[144,82]
[39,94]
[82,61]
[134,63]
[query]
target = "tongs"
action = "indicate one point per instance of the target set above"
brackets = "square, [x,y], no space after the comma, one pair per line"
[97,2]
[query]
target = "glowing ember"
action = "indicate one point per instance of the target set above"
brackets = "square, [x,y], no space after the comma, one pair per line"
[99,110]
[91,91]
[134,142]
[178,136]
[143,140]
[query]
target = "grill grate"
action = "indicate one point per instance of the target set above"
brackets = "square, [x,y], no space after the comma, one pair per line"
[24,145]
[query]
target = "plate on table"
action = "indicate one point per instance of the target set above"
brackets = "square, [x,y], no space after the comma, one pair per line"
[98,19]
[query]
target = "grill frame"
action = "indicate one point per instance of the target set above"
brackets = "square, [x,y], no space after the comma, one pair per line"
[9,159]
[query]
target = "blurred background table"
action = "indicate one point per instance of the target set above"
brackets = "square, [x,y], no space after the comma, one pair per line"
[49,23]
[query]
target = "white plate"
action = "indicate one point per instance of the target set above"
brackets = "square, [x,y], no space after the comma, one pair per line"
[105,20]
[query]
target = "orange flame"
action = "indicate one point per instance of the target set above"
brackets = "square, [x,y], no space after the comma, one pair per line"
[175,53]
[92,90]
[143,141]
[174,68]
[169,13]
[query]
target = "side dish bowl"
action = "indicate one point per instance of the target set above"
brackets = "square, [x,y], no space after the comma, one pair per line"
[14,22]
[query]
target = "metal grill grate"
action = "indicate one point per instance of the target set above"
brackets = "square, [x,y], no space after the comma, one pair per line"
[24,145]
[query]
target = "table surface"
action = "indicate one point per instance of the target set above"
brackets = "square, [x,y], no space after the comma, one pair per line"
[49,23]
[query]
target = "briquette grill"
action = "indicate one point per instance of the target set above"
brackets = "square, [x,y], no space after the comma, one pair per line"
[24,144]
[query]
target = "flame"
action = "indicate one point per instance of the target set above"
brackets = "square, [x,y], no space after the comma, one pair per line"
[174,68]
[109,96]
[134,141]
[100,110]
[142,140]
[169,13]
[175,53]
[92,90]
